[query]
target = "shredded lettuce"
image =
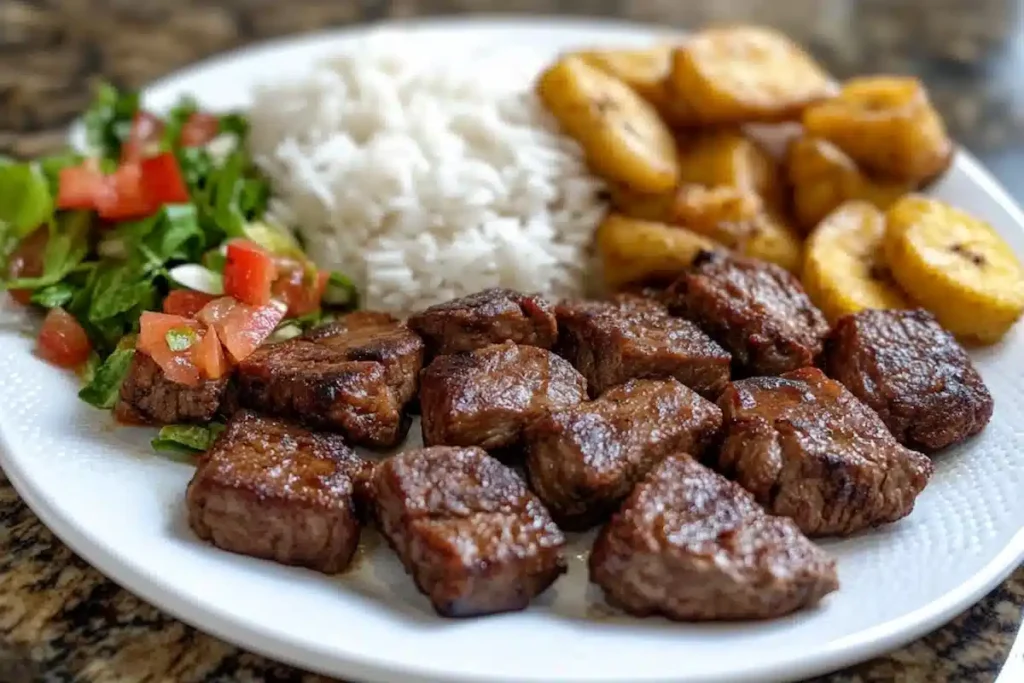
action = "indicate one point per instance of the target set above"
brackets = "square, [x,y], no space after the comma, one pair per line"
[108,121]
[25,200]
[187,438]
[101,389]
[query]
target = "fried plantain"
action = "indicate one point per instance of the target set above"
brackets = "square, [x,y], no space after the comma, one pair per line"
[956,266]
[888,125]
[844,269]
[622,134]
[728,157]
[742,74]
[823,177]
[634,251]
[645,70]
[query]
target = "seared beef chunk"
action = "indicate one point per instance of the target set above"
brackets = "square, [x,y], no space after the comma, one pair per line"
[693,546]
[274,490]
[148,397]
[316,384]
[486,397]
[634,337]
[913,373]
[756,310]
[467,529]
[808,449]
[582,461]
[378,337]
[488,317]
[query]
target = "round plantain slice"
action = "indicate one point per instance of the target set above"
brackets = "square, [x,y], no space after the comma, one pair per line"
[645,70]
[622,134]
[728,157]
[844,269]
[823,177]
[775,241]
[886,124]
[742,74]
[956,266]
[641,251]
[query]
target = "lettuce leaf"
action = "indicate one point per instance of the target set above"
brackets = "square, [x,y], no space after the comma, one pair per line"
[102,389]
[187,438]
[25,200]
[108,121]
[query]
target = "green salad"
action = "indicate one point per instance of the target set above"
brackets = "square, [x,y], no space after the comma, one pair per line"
[155,240]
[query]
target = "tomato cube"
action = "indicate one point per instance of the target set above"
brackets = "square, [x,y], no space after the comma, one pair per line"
[62,341]
[249,272]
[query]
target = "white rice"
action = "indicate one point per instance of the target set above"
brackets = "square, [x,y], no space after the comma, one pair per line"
[425,181]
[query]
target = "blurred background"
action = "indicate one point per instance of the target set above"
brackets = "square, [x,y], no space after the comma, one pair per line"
[970,52]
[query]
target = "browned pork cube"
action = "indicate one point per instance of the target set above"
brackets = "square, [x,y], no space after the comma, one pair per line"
[913,373]
[468,530]
[632,337]
[380,338]
[758,311]
[486,397]
[317,385]
[274,490]
[582,461]
[148,397]
[691,545]
[808,449]
[489,317]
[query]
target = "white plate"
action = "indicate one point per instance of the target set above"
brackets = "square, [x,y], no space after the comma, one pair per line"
[103,491]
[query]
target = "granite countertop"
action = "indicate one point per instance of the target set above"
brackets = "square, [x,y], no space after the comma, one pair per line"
[60,620]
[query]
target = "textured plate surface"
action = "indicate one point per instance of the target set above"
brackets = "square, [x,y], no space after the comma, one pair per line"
[102,490]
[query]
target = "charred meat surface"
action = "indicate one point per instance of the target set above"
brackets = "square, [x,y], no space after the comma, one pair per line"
[913,373]
[691,545]
[582,461]
[274,490]
[380,338]
[757,310]
[148,397]
[808,449]
[487,397]
[489,317]
[473,537]
[633,337]
[316,384]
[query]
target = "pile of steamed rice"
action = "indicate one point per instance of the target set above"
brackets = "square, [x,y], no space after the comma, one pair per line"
[426,181]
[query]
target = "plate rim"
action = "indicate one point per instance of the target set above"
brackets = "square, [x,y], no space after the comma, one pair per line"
[162,594]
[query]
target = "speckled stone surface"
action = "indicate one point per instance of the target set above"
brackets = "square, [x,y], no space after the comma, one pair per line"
[62,621]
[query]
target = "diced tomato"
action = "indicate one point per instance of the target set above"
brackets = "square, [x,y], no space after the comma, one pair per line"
[242,328]
[62,341]
[27,261]
[78,187]
[199,129]
[208,356]
[186,302]
[125,198]
[143,137]
[300,289]
[178,365]
[162,182]
[249,272]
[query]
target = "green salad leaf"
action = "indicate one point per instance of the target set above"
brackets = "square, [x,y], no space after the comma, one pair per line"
[66,248]
[187,439]
[171,234]
[54,296]
[101,390]
[341,292]
[181,338]
[175,120]
[108,121]
[25,200]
